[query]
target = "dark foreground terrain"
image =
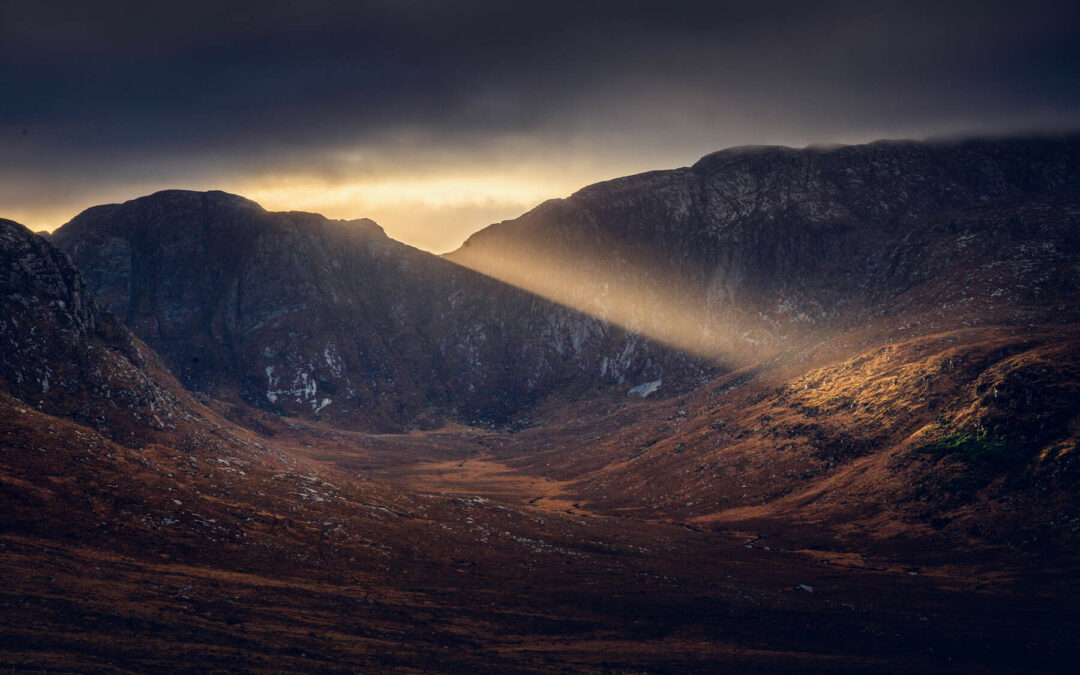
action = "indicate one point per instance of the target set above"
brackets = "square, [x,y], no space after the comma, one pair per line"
[595,541]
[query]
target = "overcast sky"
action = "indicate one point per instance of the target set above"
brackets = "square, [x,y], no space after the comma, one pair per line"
[438,118]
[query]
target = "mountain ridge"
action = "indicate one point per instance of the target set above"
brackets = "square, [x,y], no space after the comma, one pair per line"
[296,313]
[663,275]
[786,242]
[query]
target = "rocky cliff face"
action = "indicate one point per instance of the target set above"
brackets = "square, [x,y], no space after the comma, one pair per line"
[753,246]
[61,353]
[332,319]
[648,279]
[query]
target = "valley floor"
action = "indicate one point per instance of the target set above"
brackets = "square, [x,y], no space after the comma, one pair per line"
[568,547]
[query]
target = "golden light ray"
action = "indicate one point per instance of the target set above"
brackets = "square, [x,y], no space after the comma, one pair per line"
[673,310]
[432,212]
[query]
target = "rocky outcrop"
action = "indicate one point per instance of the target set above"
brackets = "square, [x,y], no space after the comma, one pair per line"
[330,319]
[61,353]
[759,245]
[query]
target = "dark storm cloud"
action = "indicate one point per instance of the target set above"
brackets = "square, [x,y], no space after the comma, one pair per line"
[105,92]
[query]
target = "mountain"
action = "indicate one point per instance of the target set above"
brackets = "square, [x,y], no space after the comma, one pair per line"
[301,315]
[903,319]
[62,353]
[755,248]
[660,278]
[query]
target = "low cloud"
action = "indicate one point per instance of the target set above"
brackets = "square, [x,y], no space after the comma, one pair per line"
[513,101]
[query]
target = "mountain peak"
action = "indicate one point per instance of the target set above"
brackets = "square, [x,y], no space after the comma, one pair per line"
[332,319]
[217,198]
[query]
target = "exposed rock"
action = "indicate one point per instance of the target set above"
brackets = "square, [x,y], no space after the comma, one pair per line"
[744,253]
[60,352]
[753,246]
[332,319]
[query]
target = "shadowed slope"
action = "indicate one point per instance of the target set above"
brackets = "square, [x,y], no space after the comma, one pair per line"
[332,320]
[62,353]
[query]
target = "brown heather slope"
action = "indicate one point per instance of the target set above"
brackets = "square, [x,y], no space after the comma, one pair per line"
[962,438]
[160,559]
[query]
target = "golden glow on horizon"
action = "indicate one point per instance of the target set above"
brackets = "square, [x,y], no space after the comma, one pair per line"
[46,218]
[435,213]
[431,211]
[439,192]
[423,193]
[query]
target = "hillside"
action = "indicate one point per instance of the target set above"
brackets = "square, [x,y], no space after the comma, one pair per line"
[758,249]
[332,320]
